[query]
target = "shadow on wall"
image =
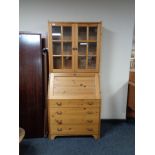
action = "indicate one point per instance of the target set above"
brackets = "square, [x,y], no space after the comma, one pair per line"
[115,110]
[107,54]
[113,90]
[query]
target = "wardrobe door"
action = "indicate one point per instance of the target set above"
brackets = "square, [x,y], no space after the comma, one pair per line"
[31,95]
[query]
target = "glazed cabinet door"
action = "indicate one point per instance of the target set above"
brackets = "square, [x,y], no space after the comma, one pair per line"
[74,47]
[88,45]
[61,43]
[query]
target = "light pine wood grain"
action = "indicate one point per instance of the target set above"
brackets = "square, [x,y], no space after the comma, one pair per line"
[77,111]
[74,99]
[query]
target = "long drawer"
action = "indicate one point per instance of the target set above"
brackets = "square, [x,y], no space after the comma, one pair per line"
[74,120]
[74,129]
[73,111]
[73,103]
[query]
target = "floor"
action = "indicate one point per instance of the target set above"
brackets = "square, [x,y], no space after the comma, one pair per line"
[117,138]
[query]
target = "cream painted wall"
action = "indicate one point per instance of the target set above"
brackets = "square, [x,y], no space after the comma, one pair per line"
[118,20]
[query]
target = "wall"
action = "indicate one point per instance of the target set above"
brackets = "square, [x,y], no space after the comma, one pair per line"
[118,20]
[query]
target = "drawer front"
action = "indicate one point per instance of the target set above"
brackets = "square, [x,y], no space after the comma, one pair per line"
[74,120]
[73,111]
[74,129]
[73,103]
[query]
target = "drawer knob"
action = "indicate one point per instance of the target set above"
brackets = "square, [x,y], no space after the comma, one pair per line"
[89,129]
[59,121]
[59,129]
[89,121]
[81,84]
[59,103]
[90,103]
[59,112]
[89,112]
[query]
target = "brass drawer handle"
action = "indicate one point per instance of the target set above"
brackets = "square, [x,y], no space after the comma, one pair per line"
[59,129]
[90,103]
[89,129]
[59,112]
[59,103]
[59,121]
[89,112]
[89,121]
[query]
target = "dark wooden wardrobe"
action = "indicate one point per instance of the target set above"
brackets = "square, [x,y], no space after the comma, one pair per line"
[32,85]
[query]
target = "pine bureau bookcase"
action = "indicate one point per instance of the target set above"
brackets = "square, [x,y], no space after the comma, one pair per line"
[74,89]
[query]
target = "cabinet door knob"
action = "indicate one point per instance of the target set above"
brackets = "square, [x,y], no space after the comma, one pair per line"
[59,103]
[89,129]
[59,112]
[75,48]
[89,121]
[59,129]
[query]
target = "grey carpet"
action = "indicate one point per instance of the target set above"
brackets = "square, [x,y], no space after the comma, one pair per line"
[118,138]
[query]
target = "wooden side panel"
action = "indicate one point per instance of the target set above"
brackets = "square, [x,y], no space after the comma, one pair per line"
[45,83]
[31,101]
[132,76]
[131,95]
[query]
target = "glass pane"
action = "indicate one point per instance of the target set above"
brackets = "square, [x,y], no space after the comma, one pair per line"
[67,62]
[57,62]
[92,33]
[56,48]
[92,48]
[91,62]
[67,33]
[82,48]
[82,33]
[67,46]
[56,32]
[81,62]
